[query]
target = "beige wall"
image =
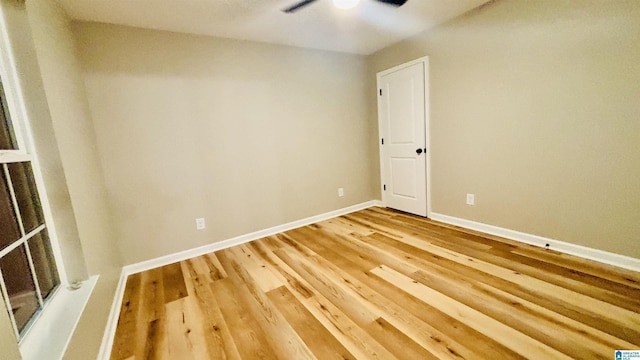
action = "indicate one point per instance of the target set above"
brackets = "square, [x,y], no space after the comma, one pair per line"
[535,109]
[247,135]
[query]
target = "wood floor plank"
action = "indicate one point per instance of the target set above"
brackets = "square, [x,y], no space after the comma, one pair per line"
[447,329]
[568,271]
[422,333]
[517,341]
[570,336]
[341,227]
[283,339]
[249,339]
[629,299]
[615,314]
[557,331]
[567,307]
[430,338]
[216,332]
[125,343]
[447,237]
[400,343]
[205,269]
[156,346]
[216,271]
[329,287]
[604,271]
[265,278]
[355,339]
[419,332]
[619,296]
[151,308]
[265,250]
[174,286]
[442,233]
[319,339]
[152,300]
[184,333]
[379,284]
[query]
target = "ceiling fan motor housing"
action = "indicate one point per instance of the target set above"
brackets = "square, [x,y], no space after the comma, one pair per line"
[299,5]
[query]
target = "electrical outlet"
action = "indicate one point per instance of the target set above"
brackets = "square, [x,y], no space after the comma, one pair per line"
[200,224]
[471,199]
[340,192]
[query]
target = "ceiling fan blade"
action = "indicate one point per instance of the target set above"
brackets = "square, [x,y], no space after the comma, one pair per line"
[393,2]
[297,6]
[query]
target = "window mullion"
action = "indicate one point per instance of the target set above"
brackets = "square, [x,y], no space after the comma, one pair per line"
[11,156]
[22,232]
[5,294]
[13,198]
[21,241]
[33,274]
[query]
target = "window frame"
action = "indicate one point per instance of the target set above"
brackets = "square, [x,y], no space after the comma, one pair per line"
[25,152]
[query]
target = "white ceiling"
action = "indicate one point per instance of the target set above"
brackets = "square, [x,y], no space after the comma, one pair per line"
[369,27]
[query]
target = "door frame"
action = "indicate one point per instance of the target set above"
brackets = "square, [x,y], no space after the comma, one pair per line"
[425,63]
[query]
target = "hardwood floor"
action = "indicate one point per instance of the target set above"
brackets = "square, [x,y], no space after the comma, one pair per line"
[379,284]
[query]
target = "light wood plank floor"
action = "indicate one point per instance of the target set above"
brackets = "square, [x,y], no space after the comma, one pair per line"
[380,284]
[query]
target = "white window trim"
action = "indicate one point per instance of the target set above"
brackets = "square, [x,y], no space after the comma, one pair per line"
[20,122]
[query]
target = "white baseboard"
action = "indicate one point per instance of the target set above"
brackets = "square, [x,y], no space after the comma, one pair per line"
[112,321]
[110,331]
[557,245]
[188,254]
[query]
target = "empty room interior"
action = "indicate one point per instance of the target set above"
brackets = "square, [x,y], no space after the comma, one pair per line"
[329,179]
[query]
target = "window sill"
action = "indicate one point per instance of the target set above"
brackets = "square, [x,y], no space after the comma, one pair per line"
[49,336]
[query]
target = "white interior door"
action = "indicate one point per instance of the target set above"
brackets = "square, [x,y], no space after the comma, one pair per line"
[403,131]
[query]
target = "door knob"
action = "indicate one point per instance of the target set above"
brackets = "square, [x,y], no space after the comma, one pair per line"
[419,151]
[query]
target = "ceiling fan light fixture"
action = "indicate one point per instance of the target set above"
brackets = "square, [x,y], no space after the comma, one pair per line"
[345,4]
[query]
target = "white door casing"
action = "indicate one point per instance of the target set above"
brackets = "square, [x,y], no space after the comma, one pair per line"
[403,125]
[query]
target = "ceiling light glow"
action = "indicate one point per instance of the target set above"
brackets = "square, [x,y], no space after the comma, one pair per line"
[345,4]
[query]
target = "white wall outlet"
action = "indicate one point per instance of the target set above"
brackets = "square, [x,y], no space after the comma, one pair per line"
[200,224]
[340,192]
[471,199]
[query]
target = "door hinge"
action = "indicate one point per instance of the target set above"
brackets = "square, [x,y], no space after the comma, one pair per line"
[384,187]
[380,92]
[382,141]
